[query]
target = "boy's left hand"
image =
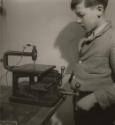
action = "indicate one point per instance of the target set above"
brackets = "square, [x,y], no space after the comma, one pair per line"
[87,102]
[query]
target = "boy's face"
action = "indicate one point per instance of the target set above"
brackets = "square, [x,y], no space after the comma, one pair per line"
[87,17]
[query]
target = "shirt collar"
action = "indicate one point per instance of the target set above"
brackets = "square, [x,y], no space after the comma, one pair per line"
[98,32]
[102,29]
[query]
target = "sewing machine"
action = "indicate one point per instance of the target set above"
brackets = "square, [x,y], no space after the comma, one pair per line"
[34,83]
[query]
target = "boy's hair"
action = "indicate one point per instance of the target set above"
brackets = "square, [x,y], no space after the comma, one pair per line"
[89,3]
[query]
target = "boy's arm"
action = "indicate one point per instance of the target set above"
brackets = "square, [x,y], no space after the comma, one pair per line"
[106,96]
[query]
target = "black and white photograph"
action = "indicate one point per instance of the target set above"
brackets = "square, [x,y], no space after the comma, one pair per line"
[57,62]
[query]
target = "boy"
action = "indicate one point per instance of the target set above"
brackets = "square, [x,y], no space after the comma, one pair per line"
[95,68]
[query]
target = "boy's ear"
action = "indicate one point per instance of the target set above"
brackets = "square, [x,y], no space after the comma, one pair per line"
[100,8]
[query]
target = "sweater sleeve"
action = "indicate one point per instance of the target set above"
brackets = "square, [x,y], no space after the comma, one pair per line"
[106,96]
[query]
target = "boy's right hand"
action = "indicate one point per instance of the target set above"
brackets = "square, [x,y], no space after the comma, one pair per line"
[74,85]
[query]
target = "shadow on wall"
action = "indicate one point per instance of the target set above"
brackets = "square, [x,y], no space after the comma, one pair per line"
[67,42]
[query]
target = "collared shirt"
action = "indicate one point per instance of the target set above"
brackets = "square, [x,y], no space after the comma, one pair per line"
[95,66]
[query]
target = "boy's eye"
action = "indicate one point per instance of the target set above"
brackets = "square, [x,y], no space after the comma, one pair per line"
[80,15]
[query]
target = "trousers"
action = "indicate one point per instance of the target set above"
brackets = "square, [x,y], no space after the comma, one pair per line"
[96,116]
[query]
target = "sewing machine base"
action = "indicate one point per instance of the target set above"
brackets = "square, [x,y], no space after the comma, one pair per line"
[36,84]
[49,102]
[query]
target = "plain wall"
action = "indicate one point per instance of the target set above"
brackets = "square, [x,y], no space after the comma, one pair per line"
[37,22]
[1,67]
[48,24]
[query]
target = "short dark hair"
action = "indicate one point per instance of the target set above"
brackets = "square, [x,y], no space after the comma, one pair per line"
[89,3]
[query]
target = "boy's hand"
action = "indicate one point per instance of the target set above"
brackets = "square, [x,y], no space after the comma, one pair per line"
[87,102]
[73,83]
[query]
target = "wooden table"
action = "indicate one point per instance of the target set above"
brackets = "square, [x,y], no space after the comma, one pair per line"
[24,114]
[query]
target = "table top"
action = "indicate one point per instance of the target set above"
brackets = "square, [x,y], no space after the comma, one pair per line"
[33,68]
[24,114]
